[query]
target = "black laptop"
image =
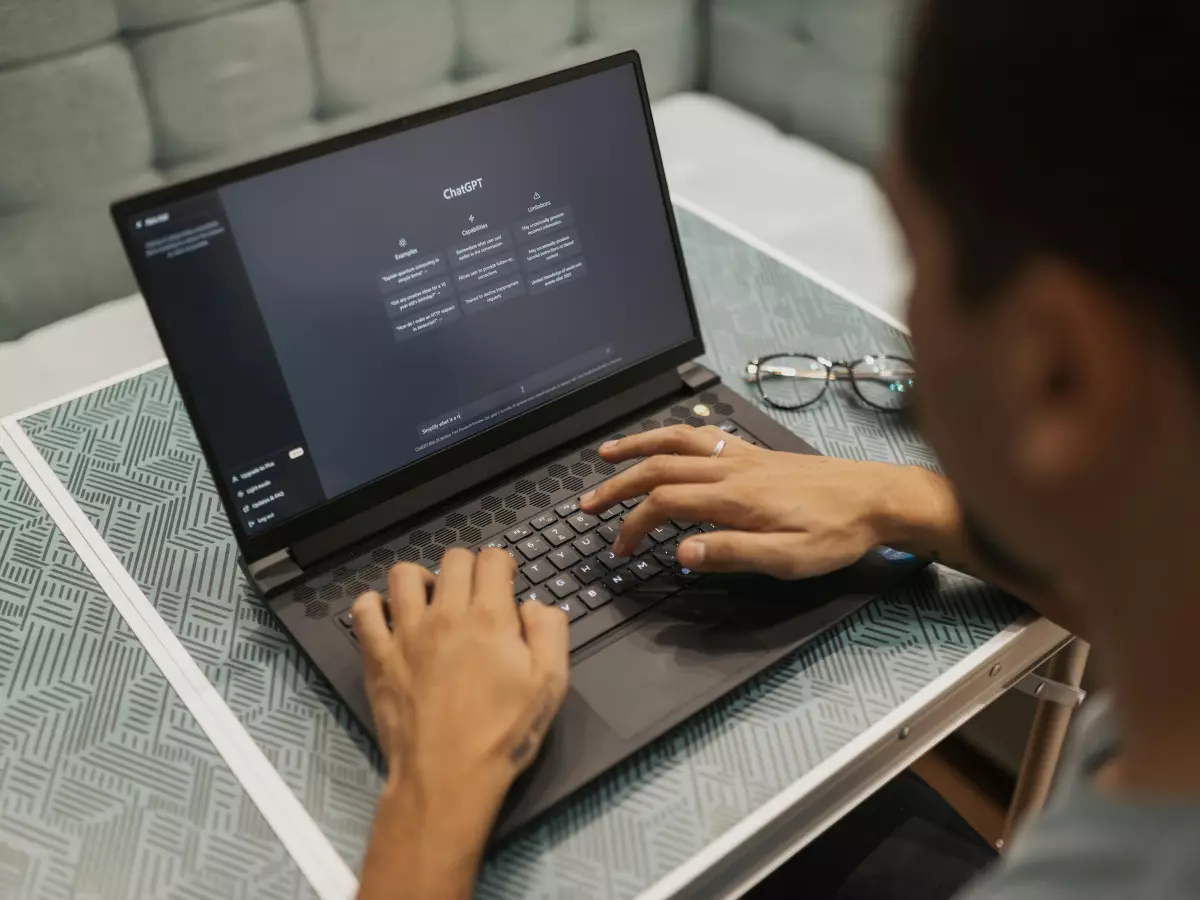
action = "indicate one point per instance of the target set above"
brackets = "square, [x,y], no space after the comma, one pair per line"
[415,337]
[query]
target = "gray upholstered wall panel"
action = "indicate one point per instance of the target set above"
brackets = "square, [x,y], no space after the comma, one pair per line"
[47,27]
[189,86]
[140,15]
[822,68]
[515,33]
[70,123]
[64,255]
[227,81]
[370,51]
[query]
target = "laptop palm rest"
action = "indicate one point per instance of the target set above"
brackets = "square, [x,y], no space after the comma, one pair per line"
[647,676]
[683,654]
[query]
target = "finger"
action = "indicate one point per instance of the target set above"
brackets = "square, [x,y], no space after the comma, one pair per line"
[493,592]
[452,592]
[687,502]
[548,638]
[408,596]
[781,554]
[649,474]
[370,625]
[680,439]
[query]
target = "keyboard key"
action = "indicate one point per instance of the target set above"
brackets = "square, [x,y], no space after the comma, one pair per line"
[728,427]
[538,571]
[563,557]
[532,548]
[540,522]
[683,524]
[610,560]
[633,501]
[582,522]
[537,595]
[565,509]
[587,571]
[558,533]
[645,545]
[665,554]
[519,583]
[663,533]
[515,534]
[573,607]
[610,531]
[562,585]
[645,569]
[618,582]
[594,597]
[498,543]
[708,526]
[612,512]
[588,544]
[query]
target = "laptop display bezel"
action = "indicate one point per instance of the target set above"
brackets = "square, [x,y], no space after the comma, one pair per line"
[337,509]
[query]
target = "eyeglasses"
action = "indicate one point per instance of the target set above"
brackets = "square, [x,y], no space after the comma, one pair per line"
[796,380]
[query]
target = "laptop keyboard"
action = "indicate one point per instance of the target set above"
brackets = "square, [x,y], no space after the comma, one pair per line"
[564,558]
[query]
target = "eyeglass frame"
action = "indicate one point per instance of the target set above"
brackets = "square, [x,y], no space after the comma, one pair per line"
[832,367]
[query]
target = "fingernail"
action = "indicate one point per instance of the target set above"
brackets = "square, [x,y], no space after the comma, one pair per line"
[587,498]
[609,445]
[691,553]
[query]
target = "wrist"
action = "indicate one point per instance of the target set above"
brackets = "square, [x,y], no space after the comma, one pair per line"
[916,511]
[458,817]
[434,841]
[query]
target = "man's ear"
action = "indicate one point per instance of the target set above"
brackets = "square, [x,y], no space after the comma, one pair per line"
[1072,367]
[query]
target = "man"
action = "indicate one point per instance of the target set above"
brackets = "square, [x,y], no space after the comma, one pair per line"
[1050,206]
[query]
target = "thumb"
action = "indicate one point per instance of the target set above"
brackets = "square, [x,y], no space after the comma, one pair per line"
[548,638]
[781,554]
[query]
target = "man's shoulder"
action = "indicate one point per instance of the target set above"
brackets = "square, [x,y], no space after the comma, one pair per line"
[1087,844]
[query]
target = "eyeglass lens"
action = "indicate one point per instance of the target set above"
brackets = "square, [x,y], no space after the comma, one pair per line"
[884,381]
[792,381]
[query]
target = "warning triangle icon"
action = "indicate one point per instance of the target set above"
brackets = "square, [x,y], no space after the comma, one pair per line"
[537,196]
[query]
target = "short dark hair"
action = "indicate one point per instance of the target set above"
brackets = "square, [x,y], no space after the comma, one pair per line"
[1063,128]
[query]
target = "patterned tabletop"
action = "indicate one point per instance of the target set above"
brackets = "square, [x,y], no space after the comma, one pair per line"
[107,786]
[129,458]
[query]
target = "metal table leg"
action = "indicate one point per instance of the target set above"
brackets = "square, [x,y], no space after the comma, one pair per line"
[1058,697]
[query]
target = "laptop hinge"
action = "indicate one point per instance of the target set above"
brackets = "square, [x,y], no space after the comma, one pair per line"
[272,572]
[697,377]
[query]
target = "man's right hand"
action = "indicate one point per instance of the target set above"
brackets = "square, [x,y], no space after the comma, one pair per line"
[463,685]
[786,514]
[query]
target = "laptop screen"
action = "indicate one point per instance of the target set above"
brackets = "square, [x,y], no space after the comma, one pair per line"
[345,316]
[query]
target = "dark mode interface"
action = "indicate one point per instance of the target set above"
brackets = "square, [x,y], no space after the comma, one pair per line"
[340,318]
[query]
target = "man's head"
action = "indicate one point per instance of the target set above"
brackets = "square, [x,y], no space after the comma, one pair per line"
[1046,176]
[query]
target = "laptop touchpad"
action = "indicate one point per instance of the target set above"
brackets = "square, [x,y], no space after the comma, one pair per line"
[662,666]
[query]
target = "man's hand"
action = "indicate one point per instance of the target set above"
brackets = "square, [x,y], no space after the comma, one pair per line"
[788,515]
[462,688]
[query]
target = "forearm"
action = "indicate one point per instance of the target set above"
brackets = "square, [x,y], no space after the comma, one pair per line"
[418,853]
[923,517]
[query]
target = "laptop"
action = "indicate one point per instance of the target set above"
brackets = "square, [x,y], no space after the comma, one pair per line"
[415,337]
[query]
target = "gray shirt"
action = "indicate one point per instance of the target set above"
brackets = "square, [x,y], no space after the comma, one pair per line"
[1091,844]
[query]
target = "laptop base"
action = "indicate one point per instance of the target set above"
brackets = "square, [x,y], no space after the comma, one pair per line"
[656,659]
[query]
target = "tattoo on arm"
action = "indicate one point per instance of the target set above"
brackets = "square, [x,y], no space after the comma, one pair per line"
[522,754]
